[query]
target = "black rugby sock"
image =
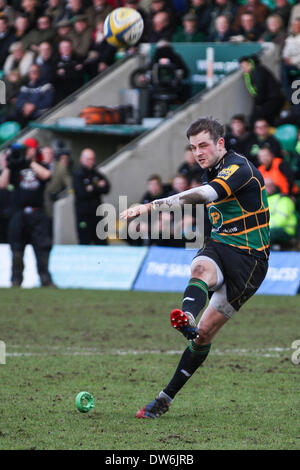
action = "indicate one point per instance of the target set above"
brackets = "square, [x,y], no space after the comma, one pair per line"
[191,359]
[195,296]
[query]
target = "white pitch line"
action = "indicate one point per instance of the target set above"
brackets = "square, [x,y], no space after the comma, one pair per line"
[262,352]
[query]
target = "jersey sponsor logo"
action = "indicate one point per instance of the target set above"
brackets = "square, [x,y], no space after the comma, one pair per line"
[215,217]
[225,173]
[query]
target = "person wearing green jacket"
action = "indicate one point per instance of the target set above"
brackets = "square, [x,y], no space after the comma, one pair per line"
[283,217]
[188,33]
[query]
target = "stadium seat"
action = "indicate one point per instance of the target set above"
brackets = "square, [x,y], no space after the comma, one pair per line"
[287,134]
[8,130]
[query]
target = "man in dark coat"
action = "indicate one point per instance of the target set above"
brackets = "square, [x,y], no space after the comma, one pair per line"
[89,185]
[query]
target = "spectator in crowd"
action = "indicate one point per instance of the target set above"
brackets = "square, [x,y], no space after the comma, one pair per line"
[156,6]
[13,82]
[250,30]
[43,32]
[162,225]
[89,185]
[155,189]
[283,217]
[46,62]
[81,36]
[275,169]
[21,29]
[190,169]
[291,57]
[261,135]
[61,180]
[188,33]
[222,8]
[179,183]
[222,32]
[74,8]
[275,31]
[18,59]
[69,71]
[238,136]
[283,9]
[63,30]
[32,9]
[35,97]
[5,205]
[162,27]
[265,89]
[255,8]
[54,10]
[29,223]
[101,54]
[6,39]
[47,157]
[139,230]
[8,11]
[100,8]
[203,9]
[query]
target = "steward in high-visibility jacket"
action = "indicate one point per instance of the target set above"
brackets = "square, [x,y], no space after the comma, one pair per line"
[283,218]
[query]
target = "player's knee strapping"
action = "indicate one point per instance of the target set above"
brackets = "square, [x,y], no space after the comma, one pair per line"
[195,296]
[191,359]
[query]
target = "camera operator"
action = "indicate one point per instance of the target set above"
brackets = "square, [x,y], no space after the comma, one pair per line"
[29,223]
[164,77]
[89,185]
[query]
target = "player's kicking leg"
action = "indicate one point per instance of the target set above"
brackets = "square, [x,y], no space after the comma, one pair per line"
[192,358]
[205,274]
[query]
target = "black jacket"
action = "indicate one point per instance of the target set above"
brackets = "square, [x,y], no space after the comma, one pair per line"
[5,42]
[87,192]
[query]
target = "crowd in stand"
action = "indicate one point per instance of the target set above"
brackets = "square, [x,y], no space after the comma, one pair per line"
[49,49]
[64,39]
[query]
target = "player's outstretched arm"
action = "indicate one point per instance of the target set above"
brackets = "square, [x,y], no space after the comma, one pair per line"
[198,195]
[201,194]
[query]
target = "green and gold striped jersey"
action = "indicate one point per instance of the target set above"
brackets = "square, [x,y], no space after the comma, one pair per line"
[240,215]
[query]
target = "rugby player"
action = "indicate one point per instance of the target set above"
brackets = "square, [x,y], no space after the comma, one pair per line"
[233,263]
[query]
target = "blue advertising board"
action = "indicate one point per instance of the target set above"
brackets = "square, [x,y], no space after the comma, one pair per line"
[168,270]
[165,270]
[95,267]
[283,276]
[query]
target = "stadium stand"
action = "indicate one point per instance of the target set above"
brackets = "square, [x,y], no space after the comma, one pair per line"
[123,145]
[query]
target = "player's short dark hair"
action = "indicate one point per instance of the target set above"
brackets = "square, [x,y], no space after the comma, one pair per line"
[208,124]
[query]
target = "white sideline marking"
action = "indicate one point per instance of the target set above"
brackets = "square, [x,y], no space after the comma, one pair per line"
[55,350]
